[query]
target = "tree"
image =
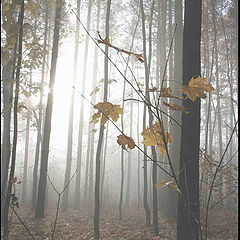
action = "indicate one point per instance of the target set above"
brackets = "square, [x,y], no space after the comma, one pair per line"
[40,207]
[40,115]
[71,114]
[188,204]
[8,74]
[101,132]
[15,119]
[174,128]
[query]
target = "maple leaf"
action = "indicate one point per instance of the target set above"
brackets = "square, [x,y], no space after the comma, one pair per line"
[196,88]
[153,136]
[106,110]
[123,140]
[174,106]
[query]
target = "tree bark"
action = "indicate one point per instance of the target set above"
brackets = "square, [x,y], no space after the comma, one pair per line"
[101,131]
[188,204]
[40,207]
[15,122]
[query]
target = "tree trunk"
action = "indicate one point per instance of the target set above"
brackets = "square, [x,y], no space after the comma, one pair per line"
[188,204]
[8,74]
[15,122]
[48,116]
[70,123]
[88,190]
[40,115]
[101,131]
[175,129]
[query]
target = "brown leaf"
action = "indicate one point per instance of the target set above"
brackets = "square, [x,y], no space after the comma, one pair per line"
[196,88]
[123,140]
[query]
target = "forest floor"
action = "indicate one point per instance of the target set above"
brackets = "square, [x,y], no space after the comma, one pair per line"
[72,226]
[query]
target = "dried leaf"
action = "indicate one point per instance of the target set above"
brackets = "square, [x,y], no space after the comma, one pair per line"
[153,136]
[94,130]
[196,88]
[174,106]
[123,140]
[106,110]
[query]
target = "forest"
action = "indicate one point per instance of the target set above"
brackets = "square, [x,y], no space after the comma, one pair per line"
[119,119]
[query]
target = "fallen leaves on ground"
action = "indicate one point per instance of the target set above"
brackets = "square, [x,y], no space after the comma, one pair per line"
[75,225]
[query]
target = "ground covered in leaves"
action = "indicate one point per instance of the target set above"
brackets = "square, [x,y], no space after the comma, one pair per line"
[73,225]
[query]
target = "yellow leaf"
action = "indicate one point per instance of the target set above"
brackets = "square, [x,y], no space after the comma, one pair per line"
[122,140]
[94,130]
[153,136]
[174,106]
[106,110]
[196,88]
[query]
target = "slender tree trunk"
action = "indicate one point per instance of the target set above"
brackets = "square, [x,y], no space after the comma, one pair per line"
[129,169]
[220,146]
[162,10]
[25,165]
[70,123]
[40,115]
[88,182]
[15,119]
[104,164]
[175,129]
[48,116]
[188,204]
[147,73]
[81,118]
[8,74]
[100,139]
